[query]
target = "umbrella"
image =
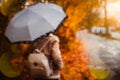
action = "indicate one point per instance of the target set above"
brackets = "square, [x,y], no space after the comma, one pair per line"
[34,21]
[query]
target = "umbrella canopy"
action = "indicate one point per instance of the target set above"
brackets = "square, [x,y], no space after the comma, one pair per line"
[34,22]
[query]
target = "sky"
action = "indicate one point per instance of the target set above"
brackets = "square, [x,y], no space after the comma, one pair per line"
[113,9]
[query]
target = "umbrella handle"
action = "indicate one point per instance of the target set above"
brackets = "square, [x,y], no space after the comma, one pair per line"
[44,45]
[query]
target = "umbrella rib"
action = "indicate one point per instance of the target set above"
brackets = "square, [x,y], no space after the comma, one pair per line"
[41,17]
[28,25]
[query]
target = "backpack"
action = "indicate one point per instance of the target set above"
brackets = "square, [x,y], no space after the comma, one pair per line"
[39,64]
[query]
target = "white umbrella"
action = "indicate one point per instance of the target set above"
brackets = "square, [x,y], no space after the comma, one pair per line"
[34,21]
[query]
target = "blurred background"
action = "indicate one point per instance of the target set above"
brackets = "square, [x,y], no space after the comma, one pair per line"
[89,40]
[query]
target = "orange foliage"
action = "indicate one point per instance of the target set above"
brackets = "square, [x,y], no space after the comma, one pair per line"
[75,62]
[73,51]
[18,60]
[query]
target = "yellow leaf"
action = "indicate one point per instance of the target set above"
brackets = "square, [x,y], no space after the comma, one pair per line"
[7,5]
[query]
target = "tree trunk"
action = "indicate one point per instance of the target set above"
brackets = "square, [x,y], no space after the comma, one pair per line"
[4,42]
[105,12]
